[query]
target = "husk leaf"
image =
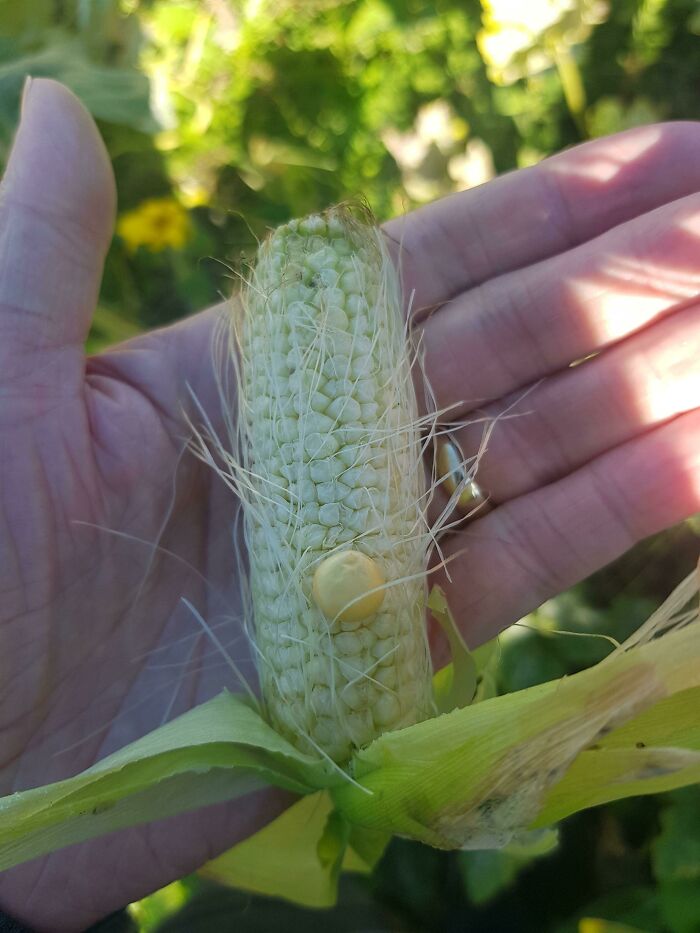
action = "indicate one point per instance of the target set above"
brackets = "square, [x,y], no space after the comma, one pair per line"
[477,777]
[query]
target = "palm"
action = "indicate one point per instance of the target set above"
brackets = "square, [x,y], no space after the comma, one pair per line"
[100,462]
[107,522]
[113,649]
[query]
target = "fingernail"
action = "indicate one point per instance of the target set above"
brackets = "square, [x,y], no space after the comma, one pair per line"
[25,93]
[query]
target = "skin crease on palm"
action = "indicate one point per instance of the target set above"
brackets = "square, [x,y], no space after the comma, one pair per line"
[595,251]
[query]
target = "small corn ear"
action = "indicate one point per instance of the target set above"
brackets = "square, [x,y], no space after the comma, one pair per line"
[332,452]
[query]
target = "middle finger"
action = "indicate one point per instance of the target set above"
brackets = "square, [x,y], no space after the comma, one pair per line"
[522,326]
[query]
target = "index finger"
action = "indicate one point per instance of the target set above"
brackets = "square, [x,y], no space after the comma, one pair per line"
[460,241]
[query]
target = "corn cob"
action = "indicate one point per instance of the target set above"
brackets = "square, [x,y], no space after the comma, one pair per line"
[335,491]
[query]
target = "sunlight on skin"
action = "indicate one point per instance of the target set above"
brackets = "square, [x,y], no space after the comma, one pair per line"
[610,157]
[523,325]
[662,376]
[623,295]
[632,387]
[673,282]
[629,293]
[476,236]
[692,224]
[615,307]
[695,484]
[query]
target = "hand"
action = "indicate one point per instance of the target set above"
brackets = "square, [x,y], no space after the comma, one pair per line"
[94,471]
[593,252]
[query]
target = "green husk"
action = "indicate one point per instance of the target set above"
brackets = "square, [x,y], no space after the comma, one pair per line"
[477,777]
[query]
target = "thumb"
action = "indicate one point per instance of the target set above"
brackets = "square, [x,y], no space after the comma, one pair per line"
[57,203]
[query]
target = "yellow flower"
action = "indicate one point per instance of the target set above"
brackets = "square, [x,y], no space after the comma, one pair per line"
[157,224]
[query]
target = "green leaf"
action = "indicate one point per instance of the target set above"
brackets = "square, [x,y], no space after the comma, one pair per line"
[152,910]
[487,873]
[529,659]
[333,843]
[368,846]
[218,910]
[676,850]
[479,777]
[454,684]
[215,752]
[598,925]
[117,95]
[658,750]
[25,20]
[108,328]
[637,908]
[297,856]
[680,905]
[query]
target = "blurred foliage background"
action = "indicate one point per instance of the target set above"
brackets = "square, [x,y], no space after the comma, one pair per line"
[226,117]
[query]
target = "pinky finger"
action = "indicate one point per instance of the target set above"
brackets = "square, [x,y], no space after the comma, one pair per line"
[535,546]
